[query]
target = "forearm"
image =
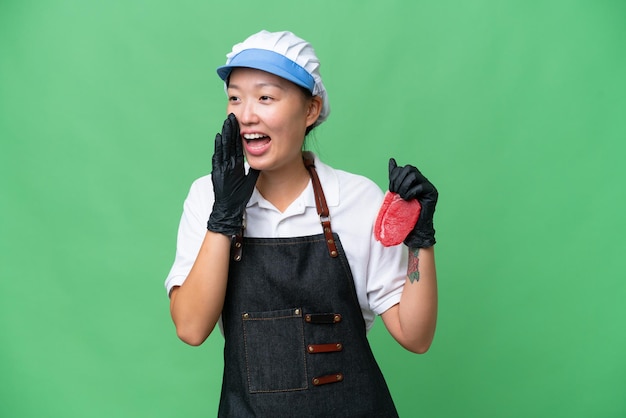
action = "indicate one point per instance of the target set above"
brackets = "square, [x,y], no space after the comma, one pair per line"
[412,322]
[197,305]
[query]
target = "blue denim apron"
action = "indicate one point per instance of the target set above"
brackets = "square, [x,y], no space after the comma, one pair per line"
[295,337]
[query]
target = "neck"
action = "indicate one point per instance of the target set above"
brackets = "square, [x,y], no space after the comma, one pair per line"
[282,187]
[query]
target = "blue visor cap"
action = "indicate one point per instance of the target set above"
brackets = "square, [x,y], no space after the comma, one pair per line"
[271,62]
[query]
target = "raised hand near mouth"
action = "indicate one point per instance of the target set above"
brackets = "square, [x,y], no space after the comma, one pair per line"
[231,185]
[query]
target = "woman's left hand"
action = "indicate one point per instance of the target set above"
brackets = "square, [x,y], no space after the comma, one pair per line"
[410,183]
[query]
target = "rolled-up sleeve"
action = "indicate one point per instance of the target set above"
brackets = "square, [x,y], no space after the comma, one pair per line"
[386,276]
[191,230]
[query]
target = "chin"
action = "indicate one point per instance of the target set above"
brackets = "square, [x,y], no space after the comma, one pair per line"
[256,163]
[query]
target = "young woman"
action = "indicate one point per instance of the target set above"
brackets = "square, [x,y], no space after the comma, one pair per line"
[287,263]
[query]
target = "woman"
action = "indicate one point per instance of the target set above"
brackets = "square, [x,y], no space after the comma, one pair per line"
[288,263]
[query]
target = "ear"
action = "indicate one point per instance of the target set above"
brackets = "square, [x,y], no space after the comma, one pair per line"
[314,110]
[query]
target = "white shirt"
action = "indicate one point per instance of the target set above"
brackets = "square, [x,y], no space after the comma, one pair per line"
[379,272]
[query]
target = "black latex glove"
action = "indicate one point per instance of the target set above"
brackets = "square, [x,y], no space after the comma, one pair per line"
[231,185]
[409,183]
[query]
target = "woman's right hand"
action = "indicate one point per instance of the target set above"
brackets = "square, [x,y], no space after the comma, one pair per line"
[197,304]
[231,185]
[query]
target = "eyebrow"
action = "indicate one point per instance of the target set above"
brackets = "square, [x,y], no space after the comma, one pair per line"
[258,85]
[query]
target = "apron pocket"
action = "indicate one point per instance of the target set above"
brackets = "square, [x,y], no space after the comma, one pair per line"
[275,353]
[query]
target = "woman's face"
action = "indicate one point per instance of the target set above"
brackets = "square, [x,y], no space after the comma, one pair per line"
[273,114]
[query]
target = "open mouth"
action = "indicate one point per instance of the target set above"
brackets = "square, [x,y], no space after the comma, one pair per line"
[256,143]
[252,137]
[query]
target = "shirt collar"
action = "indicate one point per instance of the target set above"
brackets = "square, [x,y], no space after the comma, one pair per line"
[328,179]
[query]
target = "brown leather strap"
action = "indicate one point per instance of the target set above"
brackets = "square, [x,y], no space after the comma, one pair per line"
[322,207]
[329,378]
[324,348]
[325,318]
[237,246]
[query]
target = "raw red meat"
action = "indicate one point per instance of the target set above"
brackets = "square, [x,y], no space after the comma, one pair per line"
[396,218]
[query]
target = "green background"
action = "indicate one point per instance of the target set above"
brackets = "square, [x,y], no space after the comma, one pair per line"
[516,110]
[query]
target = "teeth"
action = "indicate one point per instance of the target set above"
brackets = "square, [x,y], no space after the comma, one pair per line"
[254,136]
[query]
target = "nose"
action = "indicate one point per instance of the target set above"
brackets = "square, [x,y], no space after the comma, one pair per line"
[246,113]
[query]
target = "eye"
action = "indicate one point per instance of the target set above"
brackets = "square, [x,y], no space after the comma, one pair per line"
[265,98]
[233,99]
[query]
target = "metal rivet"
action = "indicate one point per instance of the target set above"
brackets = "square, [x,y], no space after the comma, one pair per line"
[316,381]
[337,318]
[246,316]
[339,346]
[238,244]
[297,312]
[333,253]
[237,257]
[311,349]
[307,318]
[330,241]
[326,229]
[339,377]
